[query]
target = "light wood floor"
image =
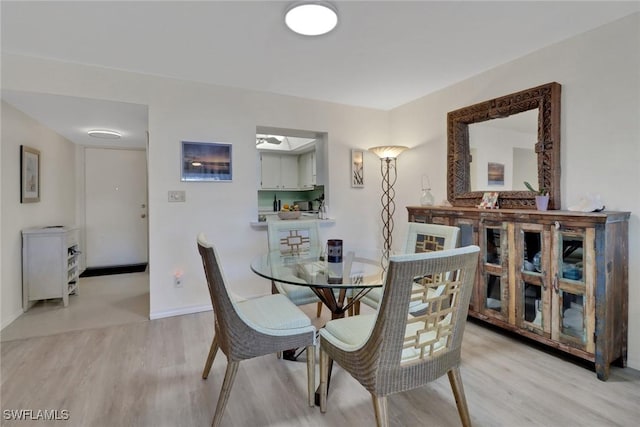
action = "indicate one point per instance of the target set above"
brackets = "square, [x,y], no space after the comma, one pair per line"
[102,301]
[148,374]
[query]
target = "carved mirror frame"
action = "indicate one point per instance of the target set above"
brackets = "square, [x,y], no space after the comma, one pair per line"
[546,99]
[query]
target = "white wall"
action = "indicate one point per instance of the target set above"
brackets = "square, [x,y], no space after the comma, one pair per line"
[600,152]
[57,196]
[189,111]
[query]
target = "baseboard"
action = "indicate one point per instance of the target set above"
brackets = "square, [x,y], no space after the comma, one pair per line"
[11,319]
[114,269]
[180,311]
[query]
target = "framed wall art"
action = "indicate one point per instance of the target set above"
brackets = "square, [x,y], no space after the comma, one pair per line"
[357,168]
[29,175]
[206,161]
[495,173]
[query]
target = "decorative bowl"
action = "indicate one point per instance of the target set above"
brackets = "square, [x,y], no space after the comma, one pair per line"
[289,214]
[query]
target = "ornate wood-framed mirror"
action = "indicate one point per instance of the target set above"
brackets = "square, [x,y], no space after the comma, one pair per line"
[546,145]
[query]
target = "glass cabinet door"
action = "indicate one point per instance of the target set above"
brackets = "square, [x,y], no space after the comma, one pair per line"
[494,284]
[469,236]
[533,255]
[573,289]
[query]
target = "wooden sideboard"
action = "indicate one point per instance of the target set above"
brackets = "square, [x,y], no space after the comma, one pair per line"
[557,277]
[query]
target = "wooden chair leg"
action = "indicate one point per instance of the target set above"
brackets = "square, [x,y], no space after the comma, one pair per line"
[458,392]
[380,407]
[356,308]
[349,300]
[319,309]
[212,355]
[225,391]
[324,377]
[311,374]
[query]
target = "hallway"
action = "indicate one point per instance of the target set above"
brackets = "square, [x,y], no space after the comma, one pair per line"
[102,301]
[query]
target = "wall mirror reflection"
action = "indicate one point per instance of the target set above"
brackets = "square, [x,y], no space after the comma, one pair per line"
[503,152]
[490,144]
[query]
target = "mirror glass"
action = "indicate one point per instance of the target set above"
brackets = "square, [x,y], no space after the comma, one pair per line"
[490,147]
[503,152]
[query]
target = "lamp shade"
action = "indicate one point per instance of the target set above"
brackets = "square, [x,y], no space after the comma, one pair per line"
[388,151]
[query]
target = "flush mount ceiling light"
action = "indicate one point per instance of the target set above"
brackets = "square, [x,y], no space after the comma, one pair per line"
[311,18]
[105,134]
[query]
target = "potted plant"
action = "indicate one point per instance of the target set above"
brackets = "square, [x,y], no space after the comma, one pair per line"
[542,196]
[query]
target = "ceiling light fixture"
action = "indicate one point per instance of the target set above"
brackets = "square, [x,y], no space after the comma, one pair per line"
[269,140]
[105,134]
[311,18]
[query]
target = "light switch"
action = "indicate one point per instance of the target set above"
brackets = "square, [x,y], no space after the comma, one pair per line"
[177,196]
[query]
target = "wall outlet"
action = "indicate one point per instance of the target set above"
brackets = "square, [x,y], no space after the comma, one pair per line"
[177,196]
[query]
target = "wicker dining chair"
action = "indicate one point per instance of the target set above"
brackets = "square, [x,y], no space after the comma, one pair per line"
[394,351]
[295,238]
[251,328]
[420,238]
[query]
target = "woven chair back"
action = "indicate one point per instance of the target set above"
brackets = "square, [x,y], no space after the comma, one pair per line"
[430,237]
[294,237]
[229,327]
[411,348]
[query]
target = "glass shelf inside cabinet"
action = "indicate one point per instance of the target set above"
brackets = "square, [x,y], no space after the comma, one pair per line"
[494,293]
[492,242]
[466,234]
[532,277]
[572,260]
[572,313]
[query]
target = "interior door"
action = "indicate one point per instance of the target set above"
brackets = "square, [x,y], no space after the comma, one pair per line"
[116,207]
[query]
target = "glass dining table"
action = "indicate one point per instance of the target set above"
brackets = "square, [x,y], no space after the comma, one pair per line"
[339,285]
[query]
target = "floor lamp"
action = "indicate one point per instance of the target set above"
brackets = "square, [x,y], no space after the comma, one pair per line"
[388,155]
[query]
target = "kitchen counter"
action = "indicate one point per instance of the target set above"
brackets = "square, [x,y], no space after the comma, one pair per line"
[273,216]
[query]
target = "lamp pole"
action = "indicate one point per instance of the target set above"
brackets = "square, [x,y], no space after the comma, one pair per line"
[389,176]
[388,155]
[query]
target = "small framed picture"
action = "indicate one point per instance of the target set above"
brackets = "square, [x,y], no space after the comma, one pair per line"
[489,200]
[357,168]
[495,173]
[206,161]
[29,175]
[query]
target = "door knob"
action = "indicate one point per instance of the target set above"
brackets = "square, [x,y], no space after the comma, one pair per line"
[143,216]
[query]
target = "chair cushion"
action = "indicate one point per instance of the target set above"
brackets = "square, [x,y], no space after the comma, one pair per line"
[273,312]
[349,332]
[373,298]
[299,295]
[352,332]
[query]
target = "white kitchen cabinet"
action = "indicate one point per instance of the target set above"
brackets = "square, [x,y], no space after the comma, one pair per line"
[289,172]
[307,170]
[50,264]
[269,171]
[279,171]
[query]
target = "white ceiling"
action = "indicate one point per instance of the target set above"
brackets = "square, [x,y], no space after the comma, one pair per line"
[382,54]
